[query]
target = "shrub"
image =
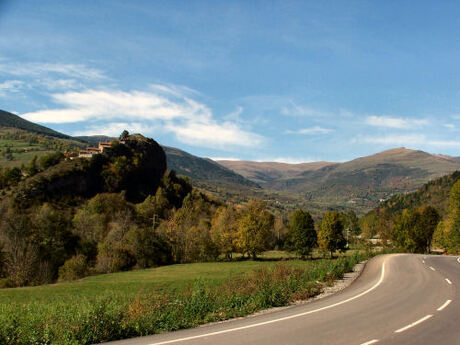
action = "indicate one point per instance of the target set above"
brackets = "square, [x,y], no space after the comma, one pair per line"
[74,268]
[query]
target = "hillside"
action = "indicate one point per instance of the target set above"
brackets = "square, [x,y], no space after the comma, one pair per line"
[13,121]
[434,193]
[204,170]
[358,184]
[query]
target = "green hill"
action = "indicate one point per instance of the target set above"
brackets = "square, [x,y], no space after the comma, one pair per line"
[13,121]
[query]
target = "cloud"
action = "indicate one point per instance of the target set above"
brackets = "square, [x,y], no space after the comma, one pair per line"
[161,106]
[224,159]
[10,86]
[299,110]
[410,140]
[114,129]
[109,105]
[311,130]
[394,122]
[60,84]
[455,117]
[35,69]
[401,140]
[212,134]
[449,125]
[445,143]
[287,160]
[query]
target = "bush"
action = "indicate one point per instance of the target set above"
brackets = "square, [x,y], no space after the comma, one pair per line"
[74,268]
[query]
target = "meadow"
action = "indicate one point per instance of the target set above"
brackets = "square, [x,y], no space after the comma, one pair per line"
[140,302]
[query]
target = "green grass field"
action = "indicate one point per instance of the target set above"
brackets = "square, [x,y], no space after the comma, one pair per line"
[165,279]
[127,304]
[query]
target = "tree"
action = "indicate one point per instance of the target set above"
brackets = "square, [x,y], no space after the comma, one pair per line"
[224,228]
[414,229]
[254,228]
[330,236]
[351,224]
[302,234]
[124,135]
[429,221]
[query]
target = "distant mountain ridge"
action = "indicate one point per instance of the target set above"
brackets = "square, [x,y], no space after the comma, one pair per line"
[359,183]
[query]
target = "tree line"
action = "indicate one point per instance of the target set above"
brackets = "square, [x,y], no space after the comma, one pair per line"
[177,224]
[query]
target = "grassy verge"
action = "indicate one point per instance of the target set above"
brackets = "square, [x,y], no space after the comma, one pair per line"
[123,305]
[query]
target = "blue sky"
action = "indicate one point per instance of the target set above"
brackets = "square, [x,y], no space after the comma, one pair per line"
[289,81]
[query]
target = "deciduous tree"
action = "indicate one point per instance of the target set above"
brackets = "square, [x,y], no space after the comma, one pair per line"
[330,236]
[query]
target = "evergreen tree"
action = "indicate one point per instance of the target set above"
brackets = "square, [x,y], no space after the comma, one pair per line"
[302,234]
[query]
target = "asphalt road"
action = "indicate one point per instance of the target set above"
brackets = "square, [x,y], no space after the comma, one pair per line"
[398,299]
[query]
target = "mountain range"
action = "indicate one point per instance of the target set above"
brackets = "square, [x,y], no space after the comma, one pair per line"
[360,184]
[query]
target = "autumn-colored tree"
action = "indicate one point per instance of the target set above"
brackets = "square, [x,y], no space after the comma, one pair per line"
[330,236]
[302,234]
[254,228]
[224,228]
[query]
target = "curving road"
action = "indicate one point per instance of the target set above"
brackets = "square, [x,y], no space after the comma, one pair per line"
[398,299]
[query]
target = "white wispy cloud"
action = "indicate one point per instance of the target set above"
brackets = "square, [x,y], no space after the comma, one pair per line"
[455,116]
[59,84]
[10,86]
[311,130]
[170,108]
[449,125]
[402,140]
[224,159]
[109,105]
[299,110]
[213,134]
[395,122]
[114,129]
[409,140]
[445,143]
[34,69]
[288,160]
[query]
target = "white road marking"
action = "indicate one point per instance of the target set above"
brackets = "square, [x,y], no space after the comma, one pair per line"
[373,341]
[382,275]
[448,281]
[432,268]
[413,324]
[444,305]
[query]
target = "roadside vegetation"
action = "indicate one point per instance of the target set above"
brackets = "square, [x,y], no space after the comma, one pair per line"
[121,305]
